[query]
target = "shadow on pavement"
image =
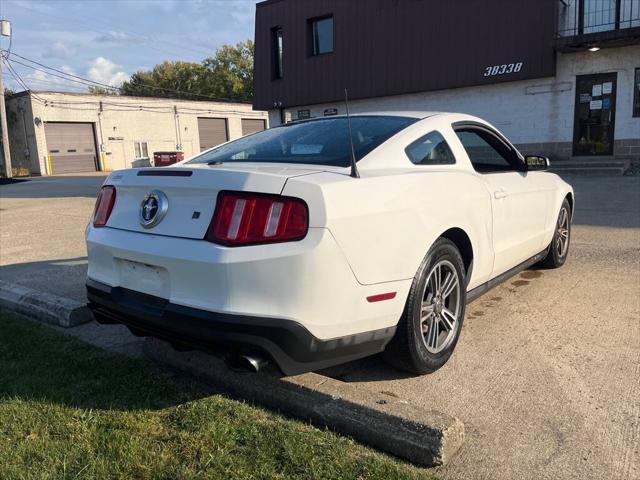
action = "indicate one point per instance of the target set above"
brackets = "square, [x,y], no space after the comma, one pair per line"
[54,187]
[65,278]
[370,369]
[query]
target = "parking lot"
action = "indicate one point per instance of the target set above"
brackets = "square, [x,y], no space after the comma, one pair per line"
[546,376]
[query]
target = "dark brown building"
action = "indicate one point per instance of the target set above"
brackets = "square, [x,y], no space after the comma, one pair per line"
[561,73]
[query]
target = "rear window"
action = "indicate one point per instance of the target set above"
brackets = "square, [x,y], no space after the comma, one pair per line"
[318,142]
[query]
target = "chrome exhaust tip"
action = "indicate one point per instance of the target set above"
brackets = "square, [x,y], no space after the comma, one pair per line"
[248,362]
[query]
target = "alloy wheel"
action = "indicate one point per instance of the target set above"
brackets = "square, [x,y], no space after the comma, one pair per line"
[441,307]
[562,237]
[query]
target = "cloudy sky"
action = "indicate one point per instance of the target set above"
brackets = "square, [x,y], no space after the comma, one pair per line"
[108,40]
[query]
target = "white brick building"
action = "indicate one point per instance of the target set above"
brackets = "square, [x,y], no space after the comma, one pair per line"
[559,77]
[56,132]
[538,115]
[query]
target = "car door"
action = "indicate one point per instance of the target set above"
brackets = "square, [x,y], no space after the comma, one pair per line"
[518,202]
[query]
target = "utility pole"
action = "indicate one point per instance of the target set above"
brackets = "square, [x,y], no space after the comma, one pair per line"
[5,30]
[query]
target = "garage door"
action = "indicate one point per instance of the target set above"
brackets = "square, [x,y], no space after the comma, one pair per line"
[212,132]
[252,126]
[72,147]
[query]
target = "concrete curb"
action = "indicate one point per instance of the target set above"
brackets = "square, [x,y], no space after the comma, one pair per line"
[423,437]
[43,306]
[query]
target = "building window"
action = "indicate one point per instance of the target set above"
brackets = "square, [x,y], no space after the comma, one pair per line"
[636,94]
[277,36]
[141,150]
[321,35]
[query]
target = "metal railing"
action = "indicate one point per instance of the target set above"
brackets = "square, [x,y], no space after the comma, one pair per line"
[578,17]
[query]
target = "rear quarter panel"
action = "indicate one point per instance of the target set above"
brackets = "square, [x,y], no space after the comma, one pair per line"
[386,221]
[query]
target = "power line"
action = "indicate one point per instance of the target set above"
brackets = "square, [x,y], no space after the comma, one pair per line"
[145,106]
[17,77]
[86,80]
[54,75]
[152,87]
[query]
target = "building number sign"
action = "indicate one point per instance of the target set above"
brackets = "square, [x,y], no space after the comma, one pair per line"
[502,69]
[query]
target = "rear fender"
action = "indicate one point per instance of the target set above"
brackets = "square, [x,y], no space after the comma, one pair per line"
[385,224]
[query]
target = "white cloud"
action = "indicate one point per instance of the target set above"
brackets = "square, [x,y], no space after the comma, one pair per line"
[38,80]
[114,37]
[57,50]
[105,71]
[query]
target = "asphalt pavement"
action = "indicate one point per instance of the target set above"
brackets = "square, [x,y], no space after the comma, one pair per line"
[546,376]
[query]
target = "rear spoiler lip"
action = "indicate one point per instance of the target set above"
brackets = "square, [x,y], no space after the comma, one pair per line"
[165,173]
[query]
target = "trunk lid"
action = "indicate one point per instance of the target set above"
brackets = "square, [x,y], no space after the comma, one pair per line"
[191,193]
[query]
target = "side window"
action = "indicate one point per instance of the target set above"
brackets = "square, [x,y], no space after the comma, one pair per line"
[487,152]
[432,149]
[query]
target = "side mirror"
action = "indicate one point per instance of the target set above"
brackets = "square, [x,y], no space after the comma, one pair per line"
[537,163]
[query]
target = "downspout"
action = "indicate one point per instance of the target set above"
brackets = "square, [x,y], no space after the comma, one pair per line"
[176,118]
[103,158]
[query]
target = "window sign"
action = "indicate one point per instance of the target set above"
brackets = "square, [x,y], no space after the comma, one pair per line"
[606,104]
[303,114]
[585,98]
[596,105]
[607,87]
[596,90]
[330,111]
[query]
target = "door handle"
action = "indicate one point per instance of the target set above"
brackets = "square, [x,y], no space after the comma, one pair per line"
[500,194]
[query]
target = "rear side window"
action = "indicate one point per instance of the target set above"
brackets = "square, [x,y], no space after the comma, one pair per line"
[432,149]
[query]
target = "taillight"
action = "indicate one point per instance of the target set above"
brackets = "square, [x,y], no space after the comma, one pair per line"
[104,205]
[253,218]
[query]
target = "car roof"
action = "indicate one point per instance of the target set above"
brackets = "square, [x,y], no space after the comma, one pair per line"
[396,113]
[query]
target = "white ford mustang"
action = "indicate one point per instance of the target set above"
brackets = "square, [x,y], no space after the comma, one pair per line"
[327,240]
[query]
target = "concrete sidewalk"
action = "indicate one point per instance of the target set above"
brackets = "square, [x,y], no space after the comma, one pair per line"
[545,376]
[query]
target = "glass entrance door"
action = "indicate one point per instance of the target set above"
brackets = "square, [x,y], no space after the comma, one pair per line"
[595,112]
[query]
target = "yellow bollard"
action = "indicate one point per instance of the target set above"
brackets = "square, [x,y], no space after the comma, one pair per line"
[103,158]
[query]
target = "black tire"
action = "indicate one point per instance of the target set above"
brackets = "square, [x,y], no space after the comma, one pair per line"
[556,255]
[408,349]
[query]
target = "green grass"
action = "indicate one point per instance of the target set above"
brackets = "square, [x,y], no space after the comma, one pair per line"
[70,410]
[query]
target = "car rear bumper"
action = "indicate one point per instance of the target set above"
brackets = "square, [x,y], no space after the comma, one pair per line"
[293,348]
[308,282]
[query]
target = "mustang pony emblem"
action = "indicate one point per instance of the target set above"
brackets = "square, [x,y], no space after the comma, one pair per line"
[153,208]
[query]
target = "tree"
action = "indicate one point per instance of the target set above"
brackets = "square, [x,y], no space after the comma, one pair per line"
[228,75]
[169,79]
[231,71]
